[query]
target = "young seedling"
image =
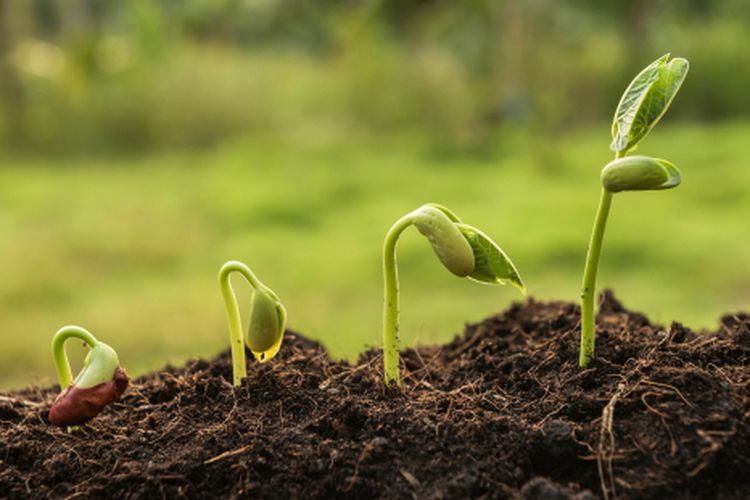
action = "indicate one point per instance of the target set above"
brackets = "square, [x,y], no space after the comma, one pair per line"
[267,319]
[641,107]
[464,250]
[100,382]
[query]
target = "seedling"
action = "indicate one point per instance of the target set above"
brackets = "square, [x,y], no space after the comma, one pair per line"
[267,318]
[100,382]
[641,107]
[464,250]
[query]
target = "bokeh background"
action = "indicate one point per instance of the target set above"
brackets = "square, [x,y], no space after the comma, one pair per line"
[145,142]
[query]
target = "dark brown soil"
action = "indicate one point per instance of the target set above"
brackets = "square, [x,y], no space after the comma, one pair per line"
[502,411]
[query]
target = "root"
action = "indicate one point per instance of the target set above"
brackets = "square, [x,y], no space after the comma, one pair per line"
[226,454]
[713,446]
[365,451]
[25,402]
[606,449]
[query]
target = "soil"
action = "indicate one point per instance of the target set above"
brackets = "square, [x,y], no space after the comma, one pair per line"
[502,411]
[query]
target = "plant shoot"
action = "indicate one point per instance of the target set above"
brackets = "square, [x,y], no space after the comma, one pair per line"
[100,382]
[463,250]
[641,107]
[266,325]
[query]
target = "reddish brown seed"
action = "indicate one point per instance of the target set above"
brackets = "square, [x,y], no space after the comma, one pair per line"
[76,406]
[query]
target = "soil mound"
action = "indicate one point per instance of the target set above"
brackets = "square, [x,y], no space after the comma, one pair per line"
[502,411]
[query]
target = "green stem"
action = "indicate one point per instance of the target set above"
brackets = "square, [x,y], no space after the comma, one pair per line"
[391,302]
[588,319]
[239,368]
[62,365]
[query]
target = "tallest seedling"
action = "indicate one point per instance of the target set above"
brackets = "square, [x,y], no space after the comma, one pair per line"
[641,107]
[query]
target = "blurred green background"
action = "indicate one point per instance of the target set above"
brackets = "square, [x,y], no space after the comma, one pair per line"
[145,142]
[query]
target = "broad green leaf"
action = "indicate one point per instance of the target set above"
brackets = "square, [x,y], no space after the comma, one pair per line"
[639,173]
[645,101]
[491,265]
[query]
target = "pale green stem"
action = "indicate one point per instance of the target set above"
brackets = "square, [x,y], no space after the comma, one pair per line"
[588,294]
[239,368]
[62,365]
[391,302]
[588,320]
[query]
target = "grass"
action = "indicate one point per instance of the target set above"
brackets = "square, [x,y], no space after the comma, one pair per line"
[130,248]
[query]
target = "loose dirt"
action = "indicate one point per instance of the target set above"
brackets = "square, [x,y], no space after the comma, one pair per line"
[502,411]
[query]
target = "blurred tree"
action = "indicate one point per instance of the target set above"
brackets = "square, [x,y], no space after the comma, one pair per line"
[12,92]
[88,73]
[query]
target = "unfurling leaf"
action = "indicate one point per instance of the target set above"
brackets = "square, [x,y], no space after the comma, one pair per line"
[645,101]
[464,250]
[100,382]
[491,265]
[639,173]
[100,364]
[447,241]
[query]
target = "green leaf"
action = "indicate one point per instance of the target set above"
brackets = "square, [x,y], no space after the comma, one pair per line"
[645,101]
[639,173]
[99,366]
[447,241]
[491,265]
